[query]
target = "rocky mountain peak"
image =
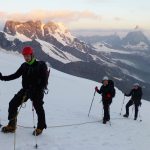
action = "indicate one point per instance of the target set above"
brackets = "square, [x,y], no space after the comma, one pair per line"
[135,37]
[37,29]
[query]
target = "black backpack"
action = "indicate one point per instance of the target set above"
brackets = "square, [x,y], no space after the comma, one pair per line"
[46,73]
[112,86]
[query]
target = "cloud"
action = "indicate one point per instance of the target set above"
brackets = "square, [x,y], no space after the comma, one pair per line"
[118,19]
[71,19]
[3,15]
[61,16]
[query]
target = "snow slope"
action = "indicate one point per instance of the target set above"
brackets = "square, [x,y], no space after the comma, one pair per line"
[56,53]
[100,47]
[19,36]
[68,103]
[140,46]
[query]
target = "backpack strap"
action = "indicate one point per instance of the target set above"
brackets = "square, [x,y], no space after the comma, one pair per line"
[43,69]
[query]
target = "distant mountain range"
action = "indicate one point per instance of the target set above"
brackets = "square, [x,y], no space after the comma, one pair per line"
[124,60]
[134,40]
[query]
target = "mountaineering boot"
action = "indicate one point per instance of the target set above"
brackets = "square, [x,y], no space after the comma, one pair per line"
[126,115]
[37,132]
[104,121]
[10,128]
[108,119]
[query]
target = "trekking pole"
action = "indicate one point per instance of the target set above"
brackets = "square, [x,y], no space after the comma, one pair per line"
[102,112]
[109,118]
[133,108]
[91,103]
[0,119]
[140,115]
[23,100]
[15,139]
[36,145]
[122,105]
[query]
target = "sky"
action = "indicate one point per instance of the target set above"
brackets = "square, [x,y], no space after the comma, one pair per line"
[80,14]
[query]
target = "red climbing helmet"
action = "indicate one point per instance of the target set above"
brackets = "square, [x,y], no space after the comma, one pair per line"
[27,50]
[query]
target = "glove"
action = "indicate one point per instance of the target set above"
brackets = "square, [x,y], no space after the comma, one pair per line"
[125,94]
[96,88]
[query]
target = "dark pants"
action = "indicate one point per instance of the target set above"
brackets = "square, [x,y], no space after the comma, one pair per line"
[37,100]
[130,103]
[106,104]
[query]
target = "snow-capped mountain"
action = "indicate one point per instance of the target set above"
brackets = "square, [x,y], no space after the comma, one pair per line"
[135,37]
[52,42]
[134,40]
[54,33]
[34,30]
[53,36]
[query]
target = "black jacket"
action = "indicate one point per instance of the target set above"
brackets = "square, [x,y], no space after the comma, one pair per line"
[105,90]
[33,76]
[136,95]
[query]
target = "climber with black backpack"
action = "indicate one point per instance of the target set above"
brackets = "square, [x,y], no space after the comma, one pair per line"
[107,91]
[136,96]
[34,82]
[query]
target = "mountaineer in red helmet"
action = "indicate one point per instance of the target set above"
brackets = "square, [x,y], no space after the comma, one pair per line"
[33,74]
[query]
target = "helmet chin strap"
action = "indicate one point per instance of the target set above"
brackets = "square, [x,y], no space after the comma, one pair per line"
[32,60]
[32,56]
